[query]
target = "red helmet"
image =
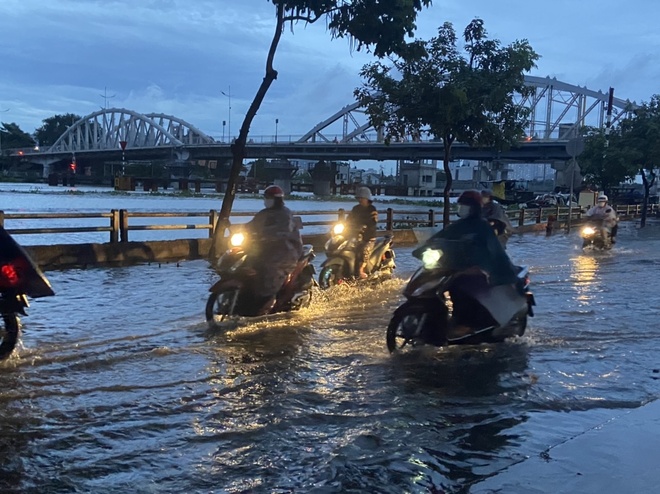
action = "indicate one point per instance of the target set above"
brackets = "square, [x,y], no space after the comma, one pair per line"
[273,191]
[471,198]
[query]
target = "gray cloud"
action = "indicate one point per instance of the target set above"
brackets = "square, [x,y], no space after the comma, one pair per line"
[176,56]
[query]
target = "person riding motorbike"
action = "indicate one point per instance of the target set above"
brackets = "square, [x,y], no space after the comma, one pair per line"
[276,245]
[607,214]
[362,221]
[482,260]
[495,214]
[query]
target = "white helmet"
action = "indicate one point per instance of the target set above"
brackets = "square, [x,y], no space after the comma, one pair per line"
[602,197]
[363,193]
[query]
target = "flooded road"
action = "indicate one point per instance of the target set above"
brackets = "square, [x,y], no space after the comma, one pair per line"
[120,387]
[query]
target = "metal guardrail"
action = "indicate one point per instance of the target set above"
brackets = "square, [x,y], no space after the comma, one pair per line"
[119,226]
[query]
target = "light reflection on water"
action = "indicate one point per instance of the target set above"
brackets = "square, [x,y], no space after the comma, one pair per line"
[120,386]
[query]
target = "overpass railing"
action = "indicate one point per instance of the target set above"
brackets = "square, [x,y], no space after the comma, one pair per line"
[119,224]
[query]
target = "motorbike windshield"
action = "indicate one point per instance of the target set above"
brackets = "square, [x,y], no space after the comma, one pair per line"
[18,273]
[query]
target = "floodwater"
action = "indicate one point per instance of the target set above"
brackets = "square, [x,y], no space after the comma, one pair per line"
[119,386]
[39,198]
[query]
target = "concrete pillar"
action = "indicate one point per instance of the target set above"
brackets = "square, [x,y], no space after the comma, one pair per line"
[285,183]
[46,170]
[321,187]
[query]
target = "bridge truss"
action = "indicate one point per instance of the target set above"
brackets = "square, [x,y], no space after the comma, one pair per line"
[557,109]
[107,129]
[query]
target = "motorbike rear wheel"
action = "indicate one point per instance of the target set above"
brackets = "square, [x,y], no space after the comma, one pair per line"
[9,333]
[330,276]
[221,304]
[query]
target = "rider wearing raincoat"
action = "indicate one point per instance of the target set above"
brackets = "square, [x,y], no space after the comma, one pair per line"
[277,243]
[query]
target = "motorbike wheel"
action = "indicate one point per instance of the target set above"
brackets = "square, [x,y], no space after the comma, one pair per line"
[404,328]
[329,276]
[220,304]
[518,325]
[8,335]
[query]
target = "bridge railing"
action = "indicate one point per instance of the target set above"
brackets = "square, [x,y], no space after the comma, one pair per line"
[119,224]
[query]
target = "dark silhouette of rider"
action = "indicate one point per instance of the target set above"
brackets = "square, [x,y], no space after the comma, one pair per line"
[470,247]
[495,214]
[480,247]
[276,244]
[362,221]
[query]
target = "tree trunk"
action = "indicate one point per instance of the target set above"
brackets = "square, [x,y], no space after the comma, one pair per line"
[238,147]
[647,190]
[446,211]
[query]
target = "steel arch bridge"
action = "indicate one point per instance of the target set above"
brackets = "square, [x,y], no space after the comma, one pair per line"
[557,109]
[107,129]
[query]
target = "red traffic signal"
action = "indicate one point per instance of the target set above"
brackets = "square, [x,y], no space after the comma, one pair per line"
[72,167]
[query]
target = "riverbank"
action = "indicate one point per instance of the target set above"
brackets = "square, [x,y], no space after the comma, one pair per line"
[11,188]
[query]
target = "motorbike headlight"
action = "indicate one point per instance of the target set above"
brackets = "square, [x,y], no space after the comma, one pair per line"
[338,229]
[588,231]
[430,257]
[236,239]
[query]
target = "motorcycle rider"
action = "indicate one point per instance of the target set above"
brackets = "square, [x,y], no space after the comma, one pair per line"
[483,261]
[605,213]
[496,215]
[362,221]
[276,245]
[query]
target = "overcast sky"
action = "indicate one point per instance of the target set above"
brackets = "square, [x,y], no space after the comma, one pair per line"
[178,56]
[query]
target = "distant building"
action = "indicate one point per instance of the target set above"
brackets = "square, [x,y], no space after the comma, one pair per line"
[419,177]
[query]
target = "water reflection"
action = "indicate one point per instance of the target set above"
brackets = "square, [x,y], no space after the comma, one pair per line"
[584,274]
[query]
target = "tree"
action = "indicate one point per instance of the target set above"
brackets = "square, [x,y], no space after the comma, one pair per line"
[369,24]
[604,161]
[11,136]
[435,88]
[53,127]
[641,143]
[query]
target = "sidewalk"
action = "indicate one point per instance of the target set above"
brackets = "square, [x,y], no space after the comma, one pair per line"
[620,456]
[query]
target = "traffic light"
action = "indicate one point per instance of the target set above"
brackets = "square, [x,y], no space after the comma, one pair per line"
[72,167]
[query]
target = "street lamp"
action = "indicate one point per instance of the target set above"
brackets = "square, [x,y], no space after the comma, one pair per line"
[277,120]
[229,112]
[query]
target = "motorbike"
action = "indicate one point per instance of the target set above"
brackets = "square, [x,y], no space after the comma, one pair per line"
[20,278]
[341,262]
[233,294]
[449,302]
[596,236]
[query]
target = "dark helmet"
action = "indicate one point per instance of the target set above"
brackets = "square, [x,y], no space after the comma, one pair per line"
[473,199]
[486,193]
[273,191]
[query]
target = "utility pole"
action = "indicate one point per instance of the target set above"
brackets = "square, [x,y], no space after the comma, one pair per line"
[228,94]
[106,97]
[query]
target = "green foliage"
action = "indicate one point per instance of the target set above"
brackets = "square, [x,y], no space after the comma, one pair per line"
[368,24]
[11,136]
[375,25]
[53,127]
[451,93]
[605,166]
[633,147]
